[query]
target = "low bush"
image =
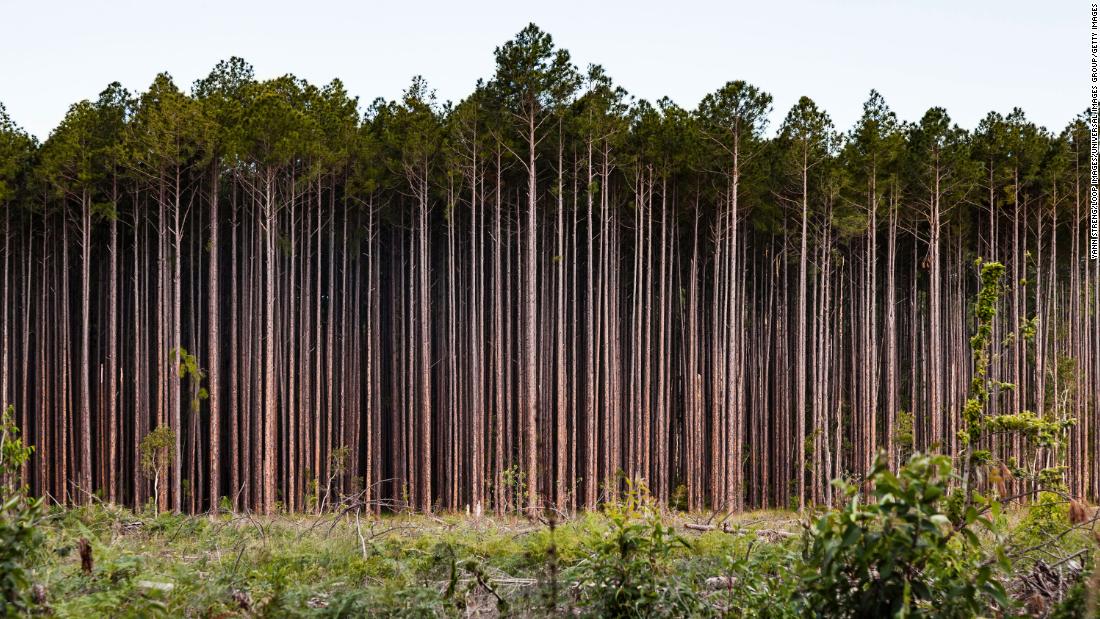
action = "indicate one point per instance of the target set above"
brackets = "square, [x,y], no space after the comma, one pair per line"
[20,539]
[628,571]
[898,554]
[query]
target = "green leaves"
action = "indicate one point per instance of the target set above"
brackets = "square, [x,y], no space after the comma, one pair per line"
[896,552]
[169,129]
[737,109]
[189,368]
[600,114]
[803,159]
[20,538]
[412,131]
[936,164]
[275,127]
[808,130]
[67,156]
[16,148]
[532,75]
[157,449]
[1039,432]
[628,570]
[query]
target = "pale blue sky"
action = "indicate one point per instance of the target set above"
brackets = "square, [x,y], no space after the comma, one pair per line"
[969,57]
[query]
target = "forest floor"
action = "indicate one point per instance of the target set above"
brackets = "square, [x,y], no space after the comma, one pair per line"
[390,565]
[414,565]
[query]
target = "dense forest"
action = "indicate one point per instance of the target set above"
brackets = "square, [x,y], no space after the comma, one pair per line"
[529,296]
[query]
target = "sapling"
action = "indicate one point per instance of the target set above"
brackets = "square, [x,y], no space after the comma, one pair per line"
[157,450]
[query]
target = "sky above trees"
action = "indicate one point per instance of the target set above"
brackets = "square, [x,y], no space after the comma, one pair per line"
[968,57]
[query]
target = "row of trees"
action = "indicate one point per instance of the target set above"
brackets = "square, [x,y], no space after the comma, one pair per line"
[516,299]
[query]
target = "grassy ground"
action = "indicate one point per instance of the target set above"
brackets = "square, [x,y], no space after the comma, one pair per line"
[414,565]
[410,565]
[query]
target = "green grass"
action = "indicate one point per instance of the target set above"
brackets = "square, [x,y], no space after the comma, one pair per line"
[400,565]
[239,565]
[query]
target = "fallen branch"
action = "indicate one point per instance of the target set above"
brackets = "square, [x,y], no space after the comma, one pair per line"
[359,532]
[700,527]
[718,583]
[772,534]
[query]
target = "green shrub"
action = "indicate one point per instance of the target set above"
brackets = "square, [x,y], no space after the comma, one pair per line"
[679,500]
[20,538]
[761,584]
[628,572]
[157,450]
[1045,518]
[898,554]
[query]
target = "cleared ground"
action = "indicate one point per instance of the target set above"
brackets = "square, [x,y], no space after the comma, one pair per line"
[420,565]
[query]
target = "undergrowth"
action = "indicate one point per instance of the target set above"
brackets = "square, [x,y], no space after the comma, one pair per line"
[891,553]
